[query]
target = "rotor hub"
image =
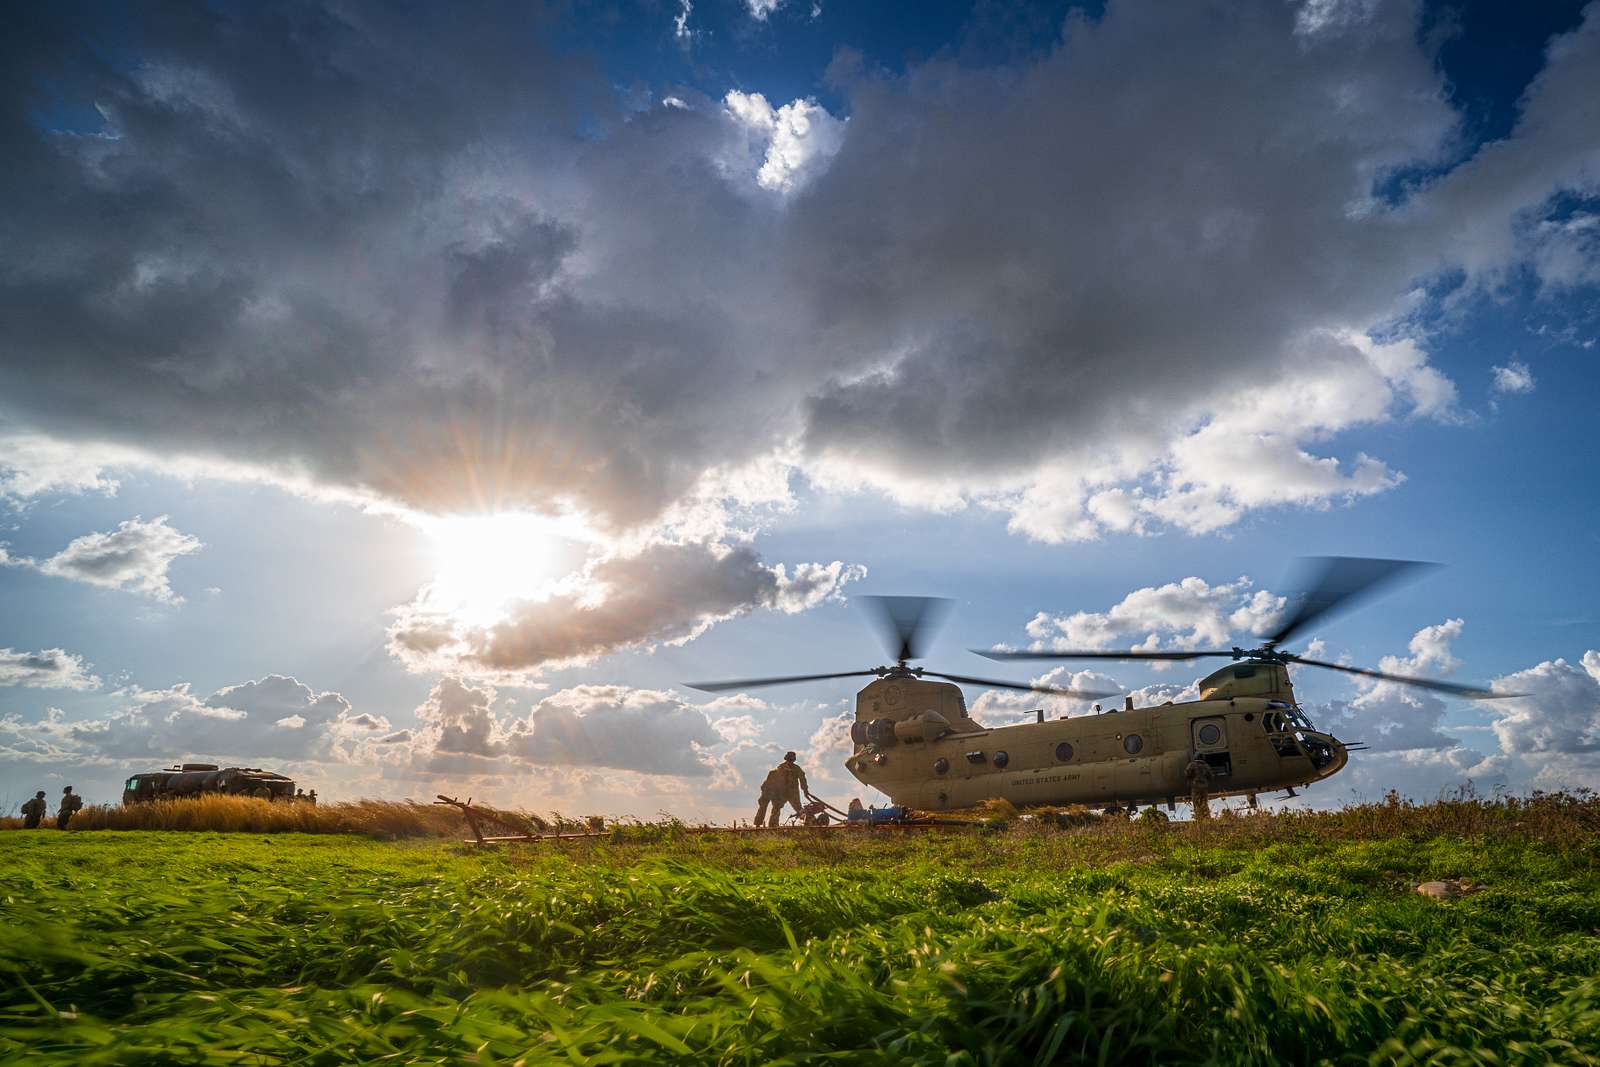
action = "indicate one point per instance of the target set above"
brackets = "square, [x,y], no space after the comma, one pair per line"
[1264,654]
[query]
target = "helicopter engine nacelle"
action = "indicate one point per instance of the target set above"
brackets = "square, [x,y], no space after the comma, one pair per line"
[923,726]
[876,732]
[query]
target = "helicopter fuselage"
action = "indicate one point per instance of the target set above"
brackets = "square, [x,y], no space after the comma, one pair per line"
[916,743]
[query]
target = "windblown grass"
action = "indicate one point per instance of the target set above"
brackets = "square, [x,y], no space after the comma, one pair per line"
[370,818]
[1263,940]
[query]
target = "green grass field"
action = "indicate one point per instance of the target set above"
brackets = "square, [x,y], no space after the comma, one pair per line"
[1113,944]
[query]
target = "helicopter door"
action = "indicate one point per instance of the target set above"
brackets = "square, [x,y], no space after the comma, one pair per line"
[1210,739]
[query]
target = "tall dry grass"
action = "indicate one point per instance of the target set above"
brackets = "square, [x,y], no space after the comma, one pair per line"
[372,818]
[1566,818]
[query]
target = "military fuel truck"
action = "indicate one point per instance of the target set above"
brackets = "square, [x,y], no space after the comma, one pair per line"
[205,779]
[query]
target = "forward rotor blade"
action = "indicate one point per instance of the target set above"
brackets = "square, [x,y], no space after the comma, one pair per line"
[1452,688]
[1127,654]
[906,623]
[1053,690]
[754,683]
[1338,583]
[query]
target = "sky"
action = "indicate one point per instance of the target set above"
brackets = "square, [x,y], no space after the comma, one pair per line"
[412,400]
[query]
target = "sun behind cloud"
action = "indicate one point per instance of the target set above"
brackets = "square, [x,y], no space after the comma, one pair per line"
[485,562]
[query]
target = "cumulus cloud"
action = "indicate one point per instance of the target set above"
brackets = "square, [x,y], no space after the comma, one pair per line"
[608,726]
[135,557]
[399,273]
[458,720]
[275,717]
[795,141]
[830,742]
[1002,707]
[1421,773]
[53,668]
[615,726]
[32,465]
[1514,377]
[590,747]
[1558,718]
[1191,613]
[1392,717]
[664,594]
[1547,736]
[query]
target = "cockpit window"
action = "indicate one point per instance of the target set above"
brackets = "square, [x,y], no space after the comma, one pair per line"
[1244,672]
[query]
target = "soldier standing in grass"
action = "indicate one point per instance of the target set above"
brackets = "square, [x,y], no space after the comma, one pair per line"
[33,811]
[783,784]
[1199,774]
[69,806]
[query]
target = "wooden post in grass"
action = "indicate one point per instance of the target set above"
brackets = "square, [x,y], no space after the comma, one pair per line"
[466,809]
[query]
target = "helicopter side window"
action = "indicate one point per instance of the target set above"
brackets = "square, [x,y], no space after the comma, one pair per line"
[941,765]
[1132,744]
[1001,758]
[1064,751]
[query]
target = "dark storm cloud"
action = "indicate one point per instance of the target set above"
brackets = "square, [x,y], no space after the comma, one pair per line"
[370,249]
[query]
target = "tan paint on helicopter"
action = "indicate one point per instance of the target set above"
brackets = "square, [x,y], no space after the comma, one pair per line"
[1261,743]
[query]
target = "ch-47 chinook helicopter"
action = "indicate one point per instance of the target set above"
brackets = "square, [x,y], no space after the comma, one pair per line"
[915,741]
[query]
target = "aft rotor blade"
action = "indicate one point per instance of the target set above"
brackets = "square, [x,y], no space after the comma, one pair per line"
[1115,654]
[1453,688]
[1053,690]
[1338,583]
[754,683]
[906,623]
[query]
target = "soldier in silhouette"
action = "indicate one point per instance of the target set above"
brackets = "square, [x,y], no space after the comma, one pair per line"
[33,811]
[783,785]
[69,806]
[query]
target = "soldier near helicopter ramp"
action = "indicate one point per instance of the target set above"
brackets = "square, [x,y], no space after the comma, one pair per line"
[783,785]
[1199,774]
[70,804]
[33,811]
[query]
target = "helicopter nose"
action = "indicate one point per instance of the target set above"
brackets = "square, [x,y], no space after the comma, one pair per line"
[1338,754]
